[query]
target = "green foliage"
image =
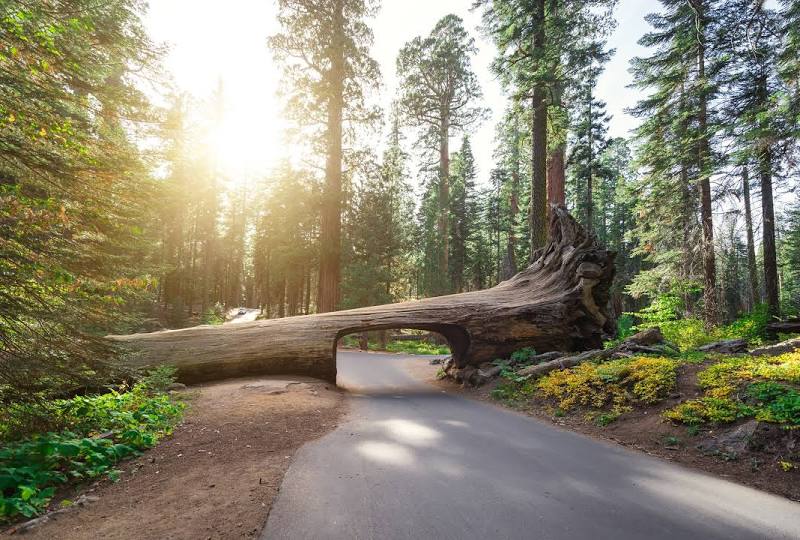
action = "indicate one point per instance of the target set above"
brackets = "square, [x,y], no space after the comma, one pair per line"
[159,379]
[74,190]
[606,418]
[751,326]
[98,432]
[690,333]
[707,409]
[625,326]
[748,386]
[515,390]
[214,315]
[417,347]
[616,384]
[776,403]
[687,334]
[522,356]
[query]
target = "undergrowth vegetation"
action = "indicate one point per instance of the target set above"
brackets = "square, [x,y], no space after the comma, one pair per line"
[399,346]
[417,347]
[734,387]
[688,332]
[614,385]
[764,388]
[87,436]
[610,388]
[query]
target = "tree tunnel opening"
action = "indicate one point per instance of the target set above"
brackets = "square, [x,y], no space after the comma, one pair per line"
[422,340]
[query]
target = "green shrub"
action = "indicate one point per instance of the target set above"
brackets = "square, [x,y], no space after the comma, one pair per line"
[514,390]
[707,409]
[522,356]
[750,326]
[99,432]
[664,308]
[214,315]
[625,326]
[775,403]
[690,333]
[618,383]
[687,334]
[417,347]
[757,379]
[159,379]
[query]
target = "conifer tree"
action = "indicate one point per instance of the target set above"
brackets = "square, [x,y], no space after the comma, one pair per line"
[752,86]
[675,151]
[438,94]
[463,213]
[324,48]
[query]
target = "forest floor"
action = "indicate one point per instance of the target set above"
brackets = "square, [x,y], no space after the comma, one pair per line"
[645,430]
[218,475]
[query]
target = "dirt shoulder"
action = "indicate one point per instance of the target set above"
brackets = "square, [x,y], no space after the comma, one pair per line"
[218,475]
[645,430]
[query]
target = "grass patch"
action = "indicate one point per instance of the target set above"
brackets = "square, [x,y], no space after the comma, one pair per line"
[399,346]
[417,347]
[97,432]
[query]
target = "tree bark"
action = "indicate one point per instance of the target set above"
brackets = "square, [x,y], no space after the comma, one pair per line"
[768,211]
[703,155]
[557,303]
[556,176]
[331,215]
[538,211]
[589,168]
[752,272]
[444,204]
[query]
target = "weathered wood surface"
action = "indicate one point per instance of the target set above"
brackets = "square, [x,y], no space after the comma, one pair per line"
[557,303]
[786,327]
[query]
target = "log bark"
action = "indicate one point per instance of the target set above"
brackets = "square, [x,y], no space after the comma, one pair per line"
[558,303]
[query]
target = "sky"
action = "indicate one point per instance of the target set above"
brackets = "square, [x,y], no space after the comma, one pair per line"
[207,45]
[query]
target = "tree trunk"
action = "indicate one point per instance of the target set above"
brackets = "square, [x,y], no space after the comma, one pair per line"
[558,303]
[509,266]
[444,205]
[703,155]
[589,168]
[556,181]
[331,216]
[538,210]
[752,272]
[767,211]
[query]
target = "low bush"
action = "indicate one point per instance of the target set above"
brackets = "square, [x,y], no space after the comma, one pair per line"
[522,356]
[417,347]
[213,315]
[616,384]
[775,403]
[715,410]
[690,333]
[747,386]
[98,431]
[515,390]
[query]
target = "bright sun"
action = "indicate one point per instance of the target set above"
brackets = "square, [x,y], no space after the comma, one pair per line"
[247,147]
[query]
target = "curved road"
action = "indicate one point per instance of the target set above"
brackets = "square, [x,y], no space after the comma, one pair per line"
[412,462]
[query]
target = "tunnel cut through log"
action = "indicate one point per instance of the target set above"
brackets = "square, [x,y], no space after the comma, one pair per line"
[558,303]
[457,338]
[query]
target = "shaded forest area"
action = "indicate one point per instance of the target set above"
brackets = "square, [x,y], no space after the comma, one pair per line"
[115,215]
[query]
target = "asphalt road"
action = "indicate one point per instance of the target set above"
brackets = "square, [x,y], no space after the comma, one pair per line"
[412,462]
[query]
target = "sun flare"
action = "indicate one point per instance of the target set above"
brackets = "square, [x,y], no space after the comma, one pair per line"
[246,148]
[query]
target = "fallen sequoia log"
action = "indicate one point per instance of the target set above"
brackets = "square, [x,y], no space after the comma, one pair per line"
[786,327]
[558,303]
